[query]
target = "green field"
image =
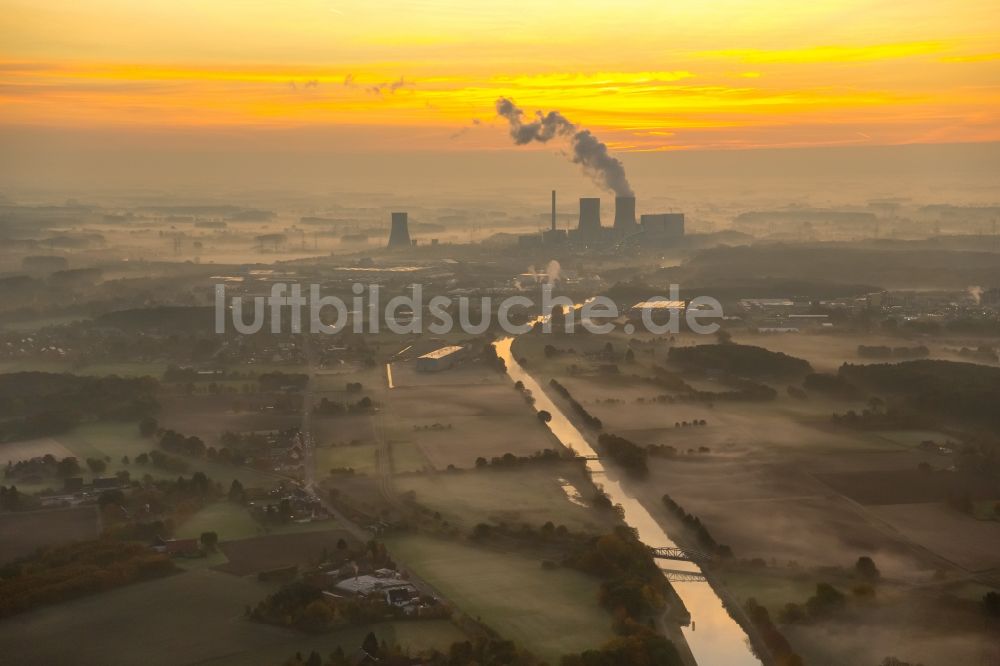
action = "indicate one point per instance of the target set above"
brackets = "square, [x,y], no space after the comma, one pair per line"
[229,520]
[772,591]
[233,522]
[531,494]
[111,441]
[194,617]
[115,440]
[122,369]
[407,457]
[360,458]
[551,613]
[28,325]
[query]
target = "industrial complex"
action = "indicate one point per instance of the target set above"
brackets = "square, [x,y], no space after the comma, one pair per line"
[661,229]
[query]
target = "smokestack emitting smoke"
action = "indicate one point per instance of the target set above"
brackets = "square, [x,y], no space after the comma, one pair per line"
[588,151]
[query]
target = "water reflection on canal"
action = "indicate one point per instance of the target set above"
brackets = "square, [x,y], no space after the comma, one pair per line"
[714,637]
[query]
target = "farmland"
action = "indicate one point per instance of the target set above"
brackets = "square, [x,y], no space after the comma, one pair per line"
[21,533]
[531,494]
[204,607]
[262,553]
[503,591]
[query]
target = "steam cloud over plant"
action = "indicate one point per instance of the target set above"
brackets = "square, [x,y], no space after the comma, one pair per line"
[588,151]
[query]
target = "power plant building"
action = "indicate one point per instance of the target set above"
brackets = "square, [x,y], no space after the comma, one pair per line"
[654,229]
[399,234]
[590,218]
[663,226]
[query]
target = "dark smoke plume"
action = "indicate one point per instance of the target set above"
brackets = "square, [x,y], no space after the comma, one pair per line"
[588,151]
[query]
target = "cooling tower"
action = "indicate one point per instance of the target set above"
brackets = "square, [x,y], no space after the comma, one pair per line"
[625,214]
[590,216]
[399,235]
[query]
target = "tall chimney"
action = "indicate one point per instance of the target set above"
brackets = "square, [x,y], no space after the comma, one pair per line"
[590,216]
[553,210]
[624,214]
[399,235]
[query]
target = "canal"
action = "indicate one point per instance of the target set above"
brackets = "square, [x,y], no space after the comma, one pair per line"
[715,639]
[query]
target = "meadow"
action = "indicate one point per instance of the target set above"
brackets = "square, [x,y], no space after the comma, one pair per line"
[505,591]
[533,494]
[23,531]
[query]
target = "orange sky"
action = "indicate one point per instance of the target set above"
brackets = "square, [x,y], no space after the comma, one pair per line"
[656,75]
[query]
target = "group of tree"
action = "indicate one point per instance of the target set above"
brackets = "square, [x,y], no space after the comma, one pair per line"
[951,390]
[56,574]
[327,407]
[738,360]
[174,319]
[509,460]
[11,499]
[739,389]
[174,442]
[778,646]
[626,453]
[891,417]
[184,374]
[234,448]
[282,381]
[640,646]
[703,538]
[884,351]
[825,602]
[632,585]
[491,359]
[42,467]
[37,404]
[164,461]
[991,604]
[303,606]
[832,385]
[152,508]
[588,419]
[980,353]
[481,651]
[548,534]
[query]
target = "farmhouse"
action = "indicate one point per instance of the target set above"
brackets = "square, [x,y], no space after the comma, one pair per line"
[396,592]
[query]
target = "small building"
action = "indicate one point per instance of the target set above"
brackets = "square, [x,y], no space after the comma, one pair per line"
[554,236]
[178,547]
[658,312]
[767,305]
[440,359]
[107,483]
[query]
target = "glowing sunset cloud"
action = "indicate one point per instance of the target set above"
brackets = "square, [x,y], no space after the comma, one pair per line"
[648,75]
